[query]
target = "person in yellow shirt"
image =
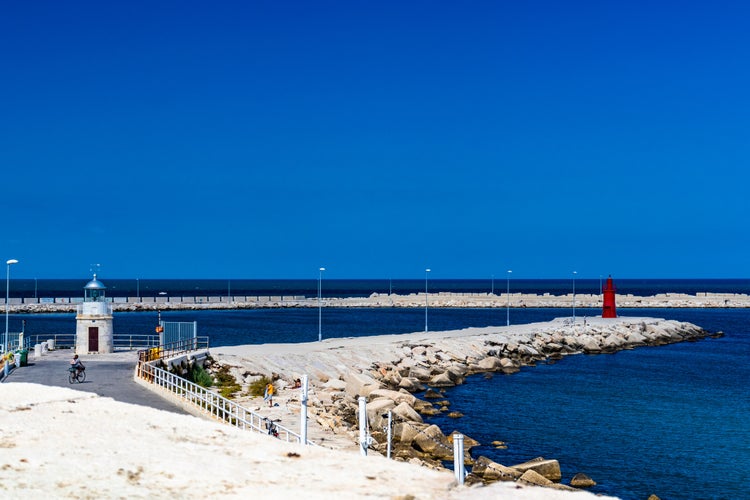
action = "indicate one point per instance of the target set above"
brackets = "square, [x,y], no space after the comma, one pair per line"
[268,395]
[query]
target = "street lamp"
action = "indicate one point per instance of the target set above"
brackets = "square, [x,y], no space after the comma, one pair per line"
[7,298]
[426,271]
[507,306]
[320,310]
[574,296]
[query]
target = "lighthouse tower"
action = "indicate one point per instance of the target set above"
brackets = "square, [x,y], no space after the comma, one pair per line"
[94,333]
[609,310]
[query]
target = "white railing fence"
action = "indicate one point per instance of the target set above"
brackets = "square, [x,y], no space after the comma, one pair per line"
[214,404]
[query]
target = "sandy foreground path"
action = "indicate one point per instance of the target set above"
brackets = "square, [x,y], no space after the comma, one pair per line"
[62,443]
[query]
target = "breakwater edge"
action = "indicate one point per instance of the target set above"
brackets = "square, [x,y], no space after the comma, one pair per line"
[381,300]
[390,369]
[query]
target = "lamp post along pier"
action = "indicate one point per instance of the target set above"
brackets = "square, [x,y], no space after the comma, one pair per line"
[426,302]
[320,307]
[8,263]
[507,295]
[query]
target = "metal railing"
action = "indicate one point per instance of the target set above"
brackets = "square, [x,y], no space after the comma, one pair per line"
[214,404]
[173,348]
[121,341]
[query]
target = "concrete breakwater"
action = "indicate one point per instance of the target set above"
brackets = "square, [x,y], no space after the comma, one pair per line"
[414,300]
[389,369]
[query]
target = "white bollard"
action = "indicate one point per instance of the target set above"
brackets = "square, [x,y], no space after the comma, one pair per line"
[51,344]
[389,433]
[17,359]
[44,347]
[363,426]
[303,411]
[37,350]
[458,457]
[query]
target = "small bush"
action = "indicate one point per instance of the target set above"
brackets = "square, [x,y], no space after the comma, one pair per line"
[226,382]
[200,376]
[258,388]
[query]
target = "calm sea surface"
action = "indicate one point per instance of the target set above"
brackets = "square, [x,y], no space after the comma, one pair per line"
[670,420]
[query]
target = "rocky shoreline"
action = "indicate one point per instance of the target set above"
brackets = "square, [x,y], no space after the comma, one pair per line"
[388,370]
[437,300]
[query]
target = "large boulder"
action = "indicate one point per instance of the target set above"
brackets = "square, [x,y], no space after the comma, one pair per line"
[405,412]
[458,369]
[419,373]
[527,350]
[635,339]
[490,471]
[335,384]
[396,396]
[410,384]
[547,468]
[581,480]
[406,432]
[509,366]
[442,380]
[613,343]
[490,364]
[532,477]
[431,440]
[360,384]
[589,344]
[377,411]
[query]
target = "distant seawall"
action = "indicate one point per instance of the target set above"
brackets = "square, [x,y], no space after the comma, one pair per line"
[414,300]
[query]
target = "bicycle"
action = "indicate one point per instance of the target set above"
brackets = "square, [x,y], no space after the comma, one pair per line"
[76,375]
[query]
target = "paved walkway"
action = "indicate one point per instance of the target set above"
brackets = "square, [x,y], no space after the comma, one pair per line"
[109,375]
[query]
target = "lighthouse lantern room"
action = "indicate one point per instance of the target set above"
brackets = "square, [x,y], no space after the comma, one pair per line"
[94,333]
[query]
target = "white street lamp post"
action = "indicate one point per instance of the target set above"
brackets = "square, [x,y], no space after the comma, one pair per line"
[574,296]
[320,309]
[7,298]
[507,306]
[426,271]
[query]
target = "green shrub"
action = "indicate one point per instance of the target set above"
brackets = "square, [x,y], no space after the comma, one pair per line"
[200,376]
[226,382]
[258,388]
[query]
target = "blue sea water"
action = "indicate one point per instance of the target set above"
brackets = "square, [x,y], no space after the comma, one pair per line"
[669,420]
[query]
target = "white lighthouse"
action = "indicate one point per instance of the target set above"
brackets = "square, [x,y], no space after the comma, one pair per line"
[94,333]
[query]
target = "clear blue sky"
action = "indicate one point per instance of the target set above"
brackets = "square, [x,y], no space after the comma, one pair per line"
[266,139]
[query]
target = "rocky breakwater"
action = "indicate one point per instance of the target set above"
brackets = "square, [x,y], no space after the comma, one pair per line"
[388,370]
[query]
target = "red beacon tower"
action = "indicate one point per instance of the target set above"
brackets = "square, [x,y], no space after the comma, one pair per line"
[609,310]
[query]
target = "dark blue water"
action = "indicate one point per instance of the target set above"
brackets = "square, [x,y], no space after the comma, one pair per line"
[669,420]
[29,288]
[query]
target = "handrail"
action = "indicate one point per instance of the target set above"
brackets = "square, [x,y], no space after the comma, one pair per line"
[121,341]
[214,404]
[173,348]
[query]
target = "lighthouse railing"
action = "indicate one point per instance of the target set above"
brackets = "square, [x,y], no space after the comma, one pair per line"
[94,308]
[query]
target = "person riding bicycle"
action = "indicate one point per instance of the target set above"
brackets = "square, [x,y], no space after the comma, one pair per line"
[76,363]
